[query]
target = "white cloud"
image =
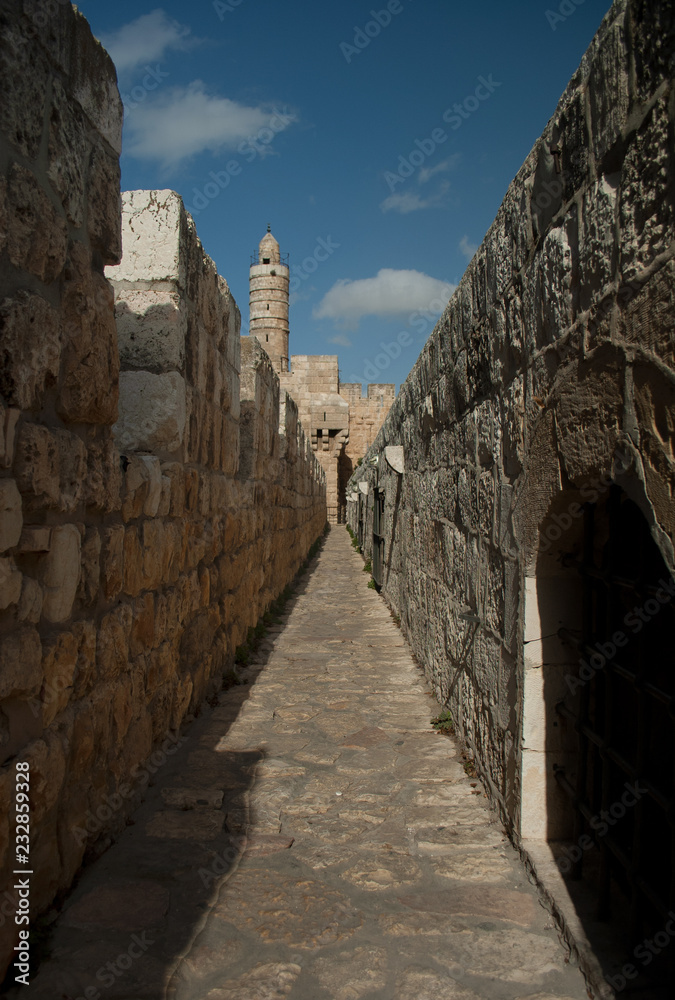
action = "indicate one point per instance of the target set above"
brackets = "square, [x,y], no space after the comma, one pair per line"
[427,172]
[341,339]
[468,249]
[184,121]
[389,293]
[404,203]
[407,201]
[145,40]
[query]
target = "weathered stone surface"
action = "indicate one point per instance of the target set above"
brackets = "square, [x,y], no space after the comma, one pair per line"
[72,469]
[113,561]
[60,573]
[151,326]
[90,364]
[112,647]
[154,245]
[354,974]
[266,980]
[36,466]
[58,666]
[153,412]
[24,78]
[104,480]
[91,567]
[10,583]
[11,516]
[20,654]
[30,602]
[549,371]
[36,239]
[119,908]
[104,203]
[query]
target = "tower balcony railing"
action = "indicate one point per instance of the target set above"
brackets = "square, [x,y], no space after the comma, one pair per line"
[257,259]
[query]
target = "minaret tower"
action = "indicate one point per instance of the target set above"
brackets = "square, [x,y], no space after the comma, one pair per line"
[268,300]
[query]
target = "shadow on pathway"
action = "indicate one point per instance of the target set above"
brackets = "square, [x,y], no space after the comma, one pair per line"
[313,839]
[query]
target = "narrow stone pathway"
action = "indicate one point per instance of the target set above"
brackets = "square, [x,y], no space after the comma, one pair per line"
[312,838]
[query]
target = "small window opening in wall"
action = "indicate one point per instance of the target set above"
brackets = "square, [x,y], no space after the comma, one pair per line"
[266,260]
[324,418]
[268,307]
[267,338]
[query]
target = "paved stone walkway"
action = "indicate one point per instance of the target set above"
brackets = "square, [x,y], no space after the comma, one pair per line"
[314,839]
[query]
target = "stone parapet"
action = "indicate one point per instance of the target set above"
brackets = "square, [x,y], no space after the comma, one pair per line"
[138,540]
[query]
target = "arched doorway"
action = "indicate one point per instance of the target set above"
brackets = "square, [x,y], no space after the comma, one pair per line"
[603,600]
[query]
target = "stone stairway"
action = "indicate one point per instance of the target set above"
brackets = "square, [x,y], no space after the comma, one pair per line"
[312,838]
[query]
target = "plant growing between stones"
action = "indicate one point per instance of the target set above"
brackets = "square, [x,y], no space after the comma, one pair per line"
[444,723]
[469,765]
[367,568]
[372,584]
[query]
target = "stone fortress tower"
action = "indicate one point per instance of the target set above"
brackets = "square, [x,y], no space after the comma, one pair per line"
[341,422]
[268,300]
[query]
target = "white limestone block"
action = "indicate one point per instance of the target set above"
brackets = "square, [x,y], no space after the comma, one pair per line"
[152,412]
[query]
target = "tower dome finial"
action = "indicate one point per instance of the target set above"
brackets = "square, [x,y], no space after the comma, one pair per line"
[269,228]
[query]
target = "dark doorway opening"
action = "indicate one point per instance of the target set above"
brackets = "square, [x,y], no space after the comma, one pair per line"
[621,705]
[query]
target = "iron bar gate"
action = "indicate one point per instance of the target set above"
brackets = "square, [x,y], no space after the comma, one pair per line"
[378,535]
[624,716]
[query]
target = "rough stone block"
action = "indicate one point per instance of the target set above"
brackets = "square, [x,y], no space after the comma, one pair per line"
[608,93]
[52,25]
[60,573]
[94,84]
[113,561]
[11,516]
[47,770]
[68,152]
[36,466]
[21,657]
[598,251]
[59,662]
[104,205]
[90,363]
[36,235]
[133,563]
[10,583]
[72,469]
[30,340]
[30,602]
[35,539]
[647,197]
[104,477]
[91,567]
[24,78]
[152,412]
[154,231]
[143,487]
[9,419]
[152,326]
[112,646]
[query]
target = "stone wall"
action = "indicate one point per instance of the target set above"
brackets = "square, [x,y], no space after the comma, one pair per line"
[343,423]
[366,414]
[313,382]
[137,546]
[552,367]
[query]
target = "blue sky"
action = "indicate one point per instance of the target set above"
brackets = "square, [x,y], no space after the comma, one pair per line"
[378,140]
